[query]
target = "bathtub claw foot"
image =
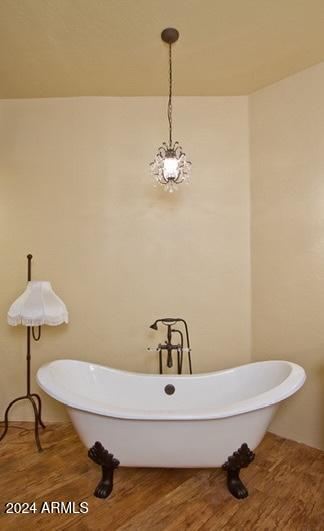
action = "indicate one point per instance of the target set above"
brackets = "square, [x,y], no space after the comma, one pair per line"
[108,463]
[239,459]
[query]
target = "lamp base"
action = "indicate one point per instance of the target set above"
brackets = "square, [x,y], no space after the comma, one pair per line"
[37,412]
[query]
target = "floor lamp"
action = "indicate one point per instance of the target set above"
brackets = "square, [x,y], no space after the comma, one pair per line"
[37,306]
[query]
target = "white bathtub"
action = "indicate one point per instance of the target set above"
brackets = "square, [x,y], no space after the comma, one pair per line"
[207,418]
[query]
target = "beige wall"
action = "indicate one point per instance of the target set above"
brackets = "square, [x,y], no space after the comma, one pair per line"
[75,191]
[287,183]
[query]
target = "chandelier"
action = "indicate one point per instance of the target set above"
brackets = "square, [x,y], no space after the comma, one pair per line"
[170,166]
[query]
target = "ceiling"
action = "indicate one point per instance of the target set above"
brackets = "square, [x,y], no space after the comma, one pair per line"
[52,48]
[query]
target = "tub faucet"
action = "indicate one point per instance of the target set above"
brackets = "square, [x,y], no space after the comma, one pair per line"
[169,346]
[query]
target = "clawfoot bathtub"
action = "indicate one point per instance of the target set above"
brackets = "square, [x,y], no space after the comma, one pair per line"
[180,421]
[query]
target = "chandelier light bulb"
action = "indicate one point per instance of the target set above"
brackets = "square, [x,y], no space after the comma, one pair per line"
[170,168]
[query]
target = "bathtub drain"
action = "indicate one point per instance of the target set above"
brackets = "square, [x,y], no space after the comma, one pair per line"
[169,389]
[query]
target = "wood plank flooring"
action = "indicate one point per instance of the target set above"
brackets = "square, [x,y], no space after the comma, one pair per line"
[285,483]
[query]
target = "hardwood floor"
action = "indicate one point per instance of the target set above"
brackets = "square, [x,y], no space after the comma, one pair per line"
[285,483]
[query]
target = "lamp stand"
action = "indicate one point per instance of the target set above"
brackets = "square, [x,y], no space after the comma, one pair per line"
[37,407]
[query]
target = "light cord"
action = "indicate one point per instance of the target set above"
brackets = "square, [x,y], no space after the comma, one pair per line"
[170,97]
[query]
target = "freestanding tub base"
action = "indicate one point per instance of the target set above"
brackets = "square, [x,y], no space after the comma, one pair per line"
[108,463]
[239,459]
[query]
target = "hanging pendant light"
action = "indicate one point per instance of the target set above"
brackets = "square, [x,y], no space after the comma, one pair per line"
[170,166]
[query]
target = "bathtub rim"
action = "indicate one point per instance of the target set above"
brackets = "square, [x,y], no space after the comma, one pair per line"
[290,385]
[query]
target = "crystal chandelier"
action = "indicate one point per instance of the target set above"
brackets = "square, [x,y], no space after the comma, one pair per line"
[170,166]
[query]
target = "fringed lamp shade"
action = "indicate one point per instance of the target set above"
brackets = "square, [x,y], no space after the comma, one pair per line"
[38,306]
